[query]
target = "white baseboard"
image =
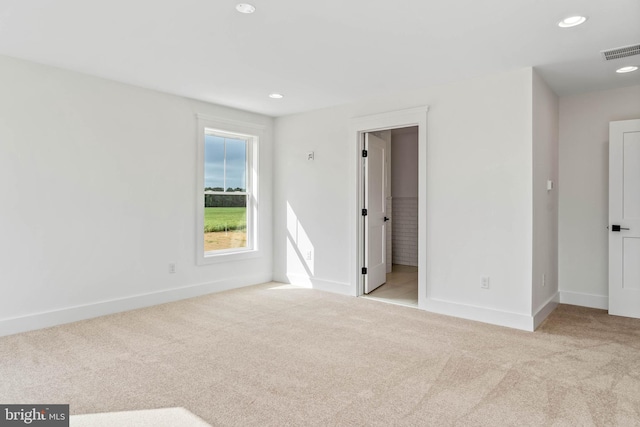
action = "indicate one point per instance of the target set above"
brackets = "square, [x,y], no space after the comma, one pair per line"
[481,314]
[320,284]
[545,310]
[73,314]
[584,300]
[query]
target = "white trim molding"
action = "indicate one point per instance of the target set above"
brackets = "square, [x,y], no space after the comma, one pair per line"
[253,133]
[73,314]
[545,310]
[235,126]
[320,284]
[584,300]
[377,122]
[481,314]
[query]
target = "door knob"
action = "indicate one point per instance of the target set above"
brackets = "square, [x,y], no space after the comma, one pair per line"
[386,219]
[617,228]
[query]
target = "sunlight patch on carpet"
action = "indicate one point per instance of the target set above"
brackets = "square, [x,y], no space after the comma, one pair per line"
[163,417]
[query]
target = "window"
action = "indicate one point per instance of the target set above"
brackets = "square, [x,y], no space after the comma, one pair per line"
[227,207]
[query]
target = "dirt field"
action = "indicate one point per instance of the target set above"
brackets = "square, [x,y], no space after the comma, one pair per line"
[224,240]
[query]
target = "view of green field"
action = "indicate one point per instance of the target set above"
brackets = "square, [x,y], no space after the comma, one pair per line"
[225,219]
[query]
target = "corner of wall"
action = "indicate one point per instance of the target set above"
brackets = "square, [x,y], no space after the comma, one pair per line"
[545,310]
[545,169]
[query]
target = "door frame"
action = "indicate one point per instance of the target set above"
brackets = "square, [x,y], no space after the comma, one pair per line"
[378,122]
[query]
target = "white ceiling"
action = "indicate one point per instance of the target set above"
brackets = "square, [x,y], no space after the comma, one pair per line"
[321,53]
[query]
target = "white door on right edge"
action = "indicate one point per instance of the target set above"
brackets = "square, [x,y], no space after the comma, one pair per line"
[624,218]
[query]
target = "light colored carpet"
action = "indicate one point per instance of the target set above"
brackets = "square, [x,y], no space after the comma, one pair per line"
[280,356]
[164,417]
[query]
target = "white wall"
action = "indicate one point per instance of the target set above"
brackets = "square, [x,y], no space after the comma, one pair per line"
[311,203]
[404,189]
[478,189]
[404,163]
[405,230]
[584,177]
[97,182]
[545,202]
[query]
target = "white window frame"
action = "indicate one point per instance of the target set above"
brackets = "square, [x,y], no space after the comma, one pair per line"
[231,129]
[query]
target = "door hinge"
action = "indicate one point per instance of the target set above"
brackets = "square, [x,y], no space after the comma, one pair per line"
[364,212]
[364,153]
[364,270]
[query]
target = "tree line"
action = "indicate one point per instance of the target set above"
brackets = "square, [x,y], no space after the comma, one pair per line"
[229,190]
[225,201]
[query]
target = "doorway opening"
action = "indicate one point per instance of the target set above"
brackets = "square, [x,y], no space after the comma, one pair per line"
[390,189]
[369,235]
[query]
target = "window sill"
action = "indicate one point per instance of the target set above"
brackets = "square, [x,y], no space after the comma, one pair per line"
[219,257]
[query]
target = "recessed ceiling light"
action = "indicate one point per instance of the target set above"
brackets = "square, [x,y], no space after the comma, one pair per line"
[245,8]
[626,69]
[276,95]
[572,21]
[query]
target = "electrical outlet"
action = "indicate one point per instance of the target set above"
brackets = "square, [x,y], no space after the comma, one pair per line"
[309,255]
[172,268]
[484,282]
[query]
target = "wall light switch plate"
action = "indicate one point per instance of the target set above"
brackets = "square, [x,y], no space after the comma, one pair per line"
[549,185]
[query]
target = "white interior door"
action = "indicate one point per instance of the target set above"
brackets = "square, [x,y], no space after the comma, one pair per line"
[375,220]
[624,218]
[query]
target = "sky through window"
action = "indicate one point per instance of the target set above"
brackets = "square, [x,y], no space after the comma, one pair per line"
[225,162]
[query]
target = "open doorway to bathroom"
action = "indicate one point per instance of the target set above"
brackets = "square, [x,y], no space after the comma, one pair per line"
[396,189]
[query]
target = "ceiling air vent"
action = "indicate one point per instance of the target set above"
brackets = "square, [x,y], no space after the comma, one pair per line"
[620,52]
